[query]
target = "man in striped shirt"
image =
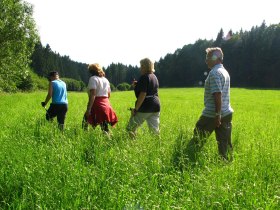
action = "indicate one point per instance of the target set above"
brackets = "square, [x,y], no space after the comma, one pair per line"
[217,113]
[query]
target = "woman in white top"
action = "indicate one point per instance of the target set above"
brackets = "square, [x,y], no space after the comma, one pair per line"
[99,110]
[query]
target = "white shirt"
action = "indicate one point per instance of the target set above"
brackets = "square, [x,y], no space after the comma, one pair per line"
[100,84]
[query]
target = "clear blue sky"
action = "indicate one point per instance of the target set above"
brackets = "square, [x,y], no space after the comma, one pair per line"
[125,31]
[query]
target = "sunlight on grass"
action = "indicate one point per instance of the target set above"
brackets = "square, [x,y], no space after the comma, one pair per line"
[44,168]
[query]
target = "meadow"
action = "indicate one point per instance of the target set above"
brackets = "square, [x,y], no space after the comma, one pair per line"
[42,168]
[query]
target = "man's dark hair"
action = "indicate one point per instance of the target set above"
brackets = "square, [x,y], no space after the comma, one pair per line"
[52,74]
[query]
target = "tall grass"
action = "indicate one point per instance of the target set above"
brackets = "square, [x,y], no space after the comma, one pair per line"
[42,168]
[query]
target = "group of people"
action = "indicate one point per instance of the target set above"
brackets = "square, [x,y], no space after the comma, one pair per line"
[216,116]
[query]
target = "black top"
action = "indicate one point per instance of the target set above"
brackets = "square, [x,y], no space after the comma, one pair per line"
[148,83]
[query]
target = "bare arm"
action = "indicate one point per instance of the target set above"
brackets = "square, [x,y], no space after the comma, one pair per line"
[91,99]
[49,96]
[218,106]
[139,102]
[109,93]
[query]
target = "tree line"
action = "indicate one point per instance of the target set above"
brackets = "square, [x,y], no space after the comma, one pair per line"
[45,60]
[251,57]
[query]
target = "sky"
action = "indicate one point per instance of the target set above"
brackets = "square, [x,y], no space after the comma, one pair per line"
[125,31]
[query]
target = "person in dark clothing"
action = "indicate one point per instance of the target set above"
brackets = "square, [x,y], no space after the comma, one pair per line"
[147,105]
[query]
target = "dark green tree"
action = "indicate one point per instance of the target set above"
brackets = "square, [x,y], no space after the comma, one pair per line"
[219,39]
[44,60]
[251,57]
[18,36]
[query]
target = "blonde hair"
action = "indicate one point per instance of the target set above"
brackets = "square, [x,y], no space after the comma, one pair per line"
[215,53]
[96,70]
[147,65]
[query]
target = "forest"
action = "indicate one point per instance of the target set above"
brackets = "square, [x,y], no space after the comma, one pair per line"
[251,57]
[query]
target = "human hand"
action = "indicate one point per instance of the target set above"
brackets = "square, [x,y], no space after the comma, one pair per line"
[43,104]
[218,120]
[134,82]
[133,112]
[87,114]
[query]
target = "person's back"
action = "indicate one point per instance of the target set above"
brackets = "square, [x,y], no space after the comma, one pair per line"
[101,85]
[149,84]
[59,95]
[226,107]
[147,104]
[99,110]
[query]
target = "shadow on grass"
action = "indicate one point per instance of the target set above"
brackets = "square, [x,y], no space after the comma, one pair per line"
[97,144]
[186,152]
[9,193]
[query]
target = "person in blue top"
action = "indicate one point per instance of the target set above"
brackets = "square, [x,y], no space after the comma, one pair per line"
[217,113]
[58,93]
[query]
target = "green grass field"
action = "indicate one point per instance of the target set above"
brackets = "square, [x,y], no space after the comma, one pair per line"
[44,169]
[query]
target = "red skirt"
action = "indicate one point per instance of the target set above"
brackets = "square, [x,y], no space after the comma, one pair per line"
[102,111]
